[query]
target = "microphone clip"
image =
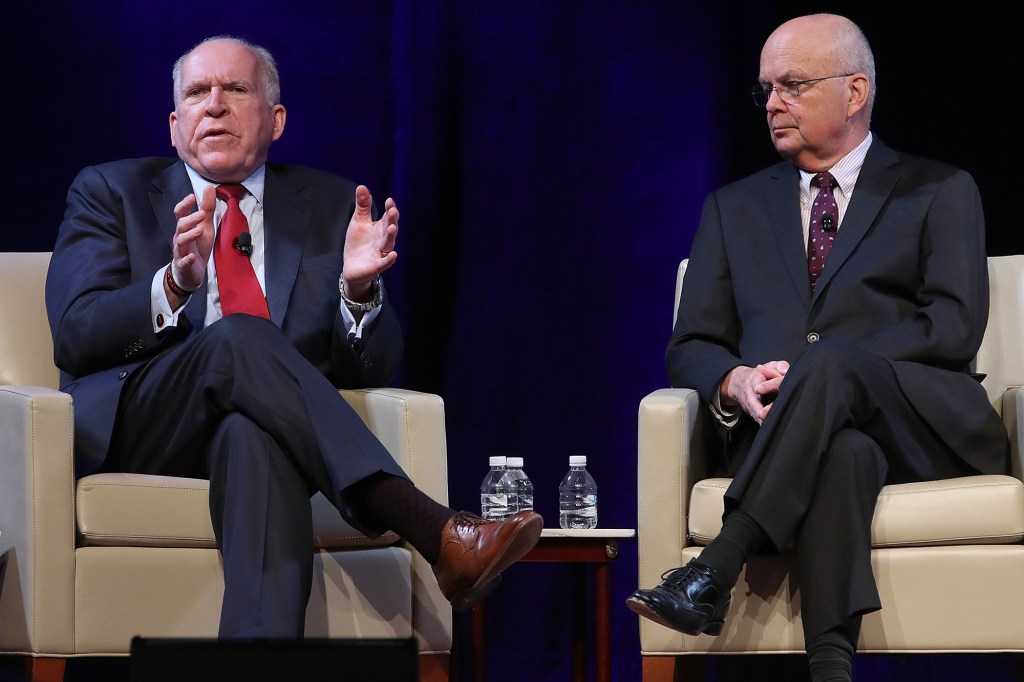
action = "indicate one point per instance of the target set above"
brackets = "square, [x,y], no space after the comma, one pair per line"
[828,223]
[243,242]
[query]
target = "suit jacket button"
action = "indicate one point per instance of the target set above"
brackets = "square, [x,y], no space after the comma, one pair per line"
[367,363]
[813,337]
[123,374]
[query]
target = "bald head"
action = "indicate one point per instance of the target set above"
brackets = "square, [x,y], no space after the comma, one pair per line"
[820,75]
[835,41]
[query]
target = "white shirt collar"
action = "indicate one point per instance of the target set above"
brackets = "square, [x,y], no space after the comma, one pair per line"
[253,184]
[846,169]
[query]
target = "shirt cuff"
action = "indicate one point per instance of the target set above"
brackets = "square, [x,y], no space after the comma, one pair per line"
[162,315]
[726,418]
[355,329]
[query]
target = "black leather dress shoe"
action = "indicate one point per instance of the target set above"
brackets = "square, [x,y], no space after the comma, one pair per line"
[689,599]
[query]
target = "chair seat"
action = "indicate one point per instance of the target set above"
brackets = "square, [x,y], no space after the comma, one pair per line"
[957,511]
[138,510]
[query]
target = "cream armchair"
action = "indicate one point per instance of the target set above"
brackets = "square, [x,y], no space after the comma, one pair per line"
[86,565]
[926,536]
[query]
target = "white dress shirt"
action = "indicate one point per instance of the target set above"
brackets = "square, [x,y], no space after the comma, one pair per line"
[845,171]
[251,204]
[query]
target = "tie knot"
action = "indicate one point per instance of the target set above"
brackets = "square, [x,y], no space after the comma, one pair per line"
[824,180]
[225,192]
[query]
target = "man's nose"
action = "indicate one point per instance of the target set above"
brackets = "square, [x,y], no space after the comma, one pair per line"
[775,102]
[216,104]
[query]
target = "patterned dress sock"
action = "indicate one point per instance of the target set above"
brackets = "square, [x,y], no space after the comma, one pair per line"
[395,503]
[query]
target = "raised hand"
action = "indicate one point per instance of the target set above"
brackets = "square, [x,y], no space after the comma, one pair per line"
[369,244]
[193,239]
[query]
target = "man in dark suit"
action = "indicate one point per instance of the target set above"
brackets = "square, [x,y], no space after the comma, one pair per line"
[205,312]
[832,307]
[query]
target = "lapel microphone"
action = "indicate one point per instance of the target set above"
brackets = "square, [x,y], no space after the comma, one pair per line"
[828,224]
[243,242]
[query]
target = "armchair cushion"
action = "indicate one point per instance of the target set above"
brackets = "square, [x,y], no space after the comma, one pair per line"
[973,510]
[137,510]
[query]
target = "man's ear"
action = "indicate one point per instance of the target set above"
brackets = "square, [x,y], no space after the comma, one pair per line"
[280,115]
[859,87]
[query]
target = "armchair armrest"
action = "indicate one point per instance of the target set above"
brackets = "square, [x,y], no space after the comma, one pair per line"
[1013,419]
[411,426]
[671,456]
[37,519]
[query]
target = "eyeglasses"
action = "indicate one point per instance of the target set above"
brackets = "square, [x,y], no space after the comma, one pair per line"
[788,92]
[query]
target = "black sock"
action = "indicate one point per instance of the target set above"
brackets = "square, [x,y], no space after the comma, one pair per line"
[727,553]
[830,654]
[392,502]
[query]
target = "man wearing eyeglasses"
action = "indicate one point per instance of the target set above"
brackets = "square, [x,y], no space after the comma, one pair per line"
[833,304]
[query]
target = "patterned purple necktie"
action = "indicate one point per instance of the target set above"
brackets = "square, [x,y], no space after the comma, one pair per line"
[824,221]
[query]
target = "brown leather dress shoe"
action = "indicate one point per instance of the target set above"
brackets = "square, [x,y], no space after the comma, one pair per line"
[474,552]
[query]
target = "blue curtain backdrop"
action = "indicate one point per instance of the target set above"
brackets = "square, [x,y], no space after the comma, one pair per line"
[549,160]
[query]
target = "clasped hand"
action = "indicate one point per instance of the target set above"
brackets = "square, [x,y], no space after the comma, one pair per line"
[751,388]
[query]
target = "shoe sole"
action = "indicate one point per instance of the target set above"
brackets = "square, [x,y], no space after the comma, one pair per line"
[475,594]
[522,540]
[642,608]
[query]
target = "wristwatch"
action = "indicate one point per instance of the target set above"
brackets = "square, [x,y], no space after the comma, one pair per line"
[356,306]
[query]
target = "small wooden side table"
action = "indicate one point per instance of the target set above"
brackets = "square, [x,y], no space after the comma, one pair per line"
[598,546]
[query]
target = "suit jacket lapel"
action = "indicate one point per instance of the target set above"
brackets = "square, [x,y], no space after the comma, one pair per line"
[171,186]
[286,216]
[782,196]
[875,183]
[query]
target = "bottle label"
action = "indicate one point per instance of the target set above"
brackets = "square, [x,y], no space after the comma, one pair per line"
[494,506]
[577,510]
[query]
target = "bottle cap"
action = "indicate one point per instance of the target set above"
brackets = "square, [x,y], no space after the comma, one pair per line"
[514,461]
[497,461]
[578,460]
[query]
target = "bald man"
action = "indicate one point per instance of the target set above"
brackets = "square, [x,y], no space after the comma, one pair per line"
[832,307]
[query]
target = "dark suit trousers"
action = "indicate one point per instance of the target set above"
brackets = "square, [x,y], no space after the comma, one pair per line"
[838,431]
[238,404]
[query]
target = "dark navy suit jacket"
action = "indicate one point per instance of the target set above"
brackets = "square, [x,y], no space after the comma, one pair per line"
[116,235]
[906,278]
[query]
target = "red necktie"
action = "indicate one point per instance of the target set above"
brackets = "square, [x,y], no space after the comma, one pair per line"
[239,289]
[822,229]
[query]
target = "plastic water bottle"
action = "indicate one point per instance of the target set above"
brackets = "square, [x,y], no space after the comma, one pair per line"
[498,495]
[577,496]
[524,487]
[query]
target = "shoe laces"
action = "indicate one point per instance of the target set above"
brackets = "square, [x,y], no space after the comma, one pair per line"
[675,577]
[464,525]
[466,519]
